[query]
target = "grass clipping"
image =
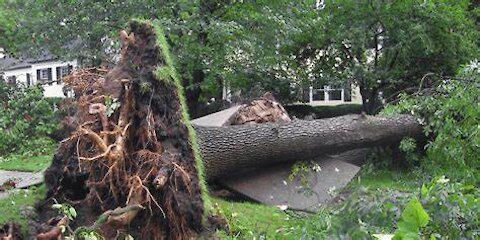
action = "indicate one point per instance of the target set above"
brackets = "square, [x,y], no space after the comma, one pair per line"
[132,145]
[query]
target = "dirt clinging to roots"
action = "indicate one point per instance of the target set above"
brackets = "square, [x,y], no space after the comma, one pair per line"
[130,147]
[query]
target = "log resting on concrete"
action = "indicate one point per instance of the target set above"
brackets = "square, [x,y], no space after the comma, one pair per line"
[227,150]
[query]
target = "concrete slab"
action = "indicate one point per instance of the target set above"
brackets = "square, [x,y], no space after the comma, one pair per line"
[272,186]
[217,119]
[22,179]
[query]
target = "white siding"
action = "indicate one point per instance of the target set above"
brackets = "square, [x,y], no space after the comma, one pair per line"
[21,74]
[54,90]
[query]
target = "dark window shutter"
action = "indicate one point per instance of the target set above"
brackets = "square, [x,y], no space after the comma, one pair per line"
[59,75]
[29,80]
[70,69]
[38,76]
[50,76]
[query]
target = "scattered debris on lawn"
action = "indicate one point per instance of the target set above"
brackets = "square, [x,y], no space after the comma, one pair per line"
[9,184]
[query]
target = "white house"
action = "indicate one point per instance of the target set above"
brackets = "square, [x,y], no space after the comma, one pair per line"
[45,70]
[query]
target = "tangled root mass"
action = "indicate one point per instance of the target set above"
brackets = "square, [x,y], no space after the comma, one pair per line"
[129,147]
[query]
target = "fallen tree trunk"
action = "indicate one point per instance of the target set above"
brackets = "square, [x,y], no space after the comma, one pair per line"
[227,150]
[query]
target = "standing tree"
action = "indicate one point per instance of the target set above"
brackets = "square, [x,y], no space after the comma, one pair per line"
[387,46]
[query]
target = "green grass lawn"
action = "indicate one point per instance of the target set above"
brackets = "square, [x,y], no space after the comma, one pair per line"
[386,179]
[373,203]
[256,221]
[13,207]
[27,164]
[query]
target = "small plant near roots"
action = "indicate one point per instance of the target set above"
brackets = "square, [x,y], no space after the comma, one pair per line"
[63,225]
[66,209]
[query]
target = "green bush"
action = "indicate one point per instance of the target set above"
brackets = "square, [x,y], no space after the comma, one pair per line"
[451,119]
[26,120]
[452,208]
[301,111]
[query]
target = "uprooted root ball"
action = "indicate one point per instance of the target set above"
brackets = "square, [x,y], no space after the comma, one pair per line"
[130,147]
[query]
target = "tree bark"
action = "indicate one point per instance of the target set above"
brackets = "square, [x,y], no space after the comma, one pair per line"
[227,150]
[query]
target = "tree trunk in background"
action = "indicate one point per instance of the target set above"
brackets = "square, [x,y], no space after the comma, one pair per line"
[227,150]
[193,91]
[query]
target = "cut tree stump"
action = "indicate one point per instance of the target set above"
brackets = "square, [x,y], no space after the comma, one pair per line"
[262,110]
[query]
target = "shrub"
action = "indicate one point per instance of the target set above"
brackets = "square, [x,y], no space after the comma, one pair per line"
[26,120]
[451,119]
[452,209]
[301,111]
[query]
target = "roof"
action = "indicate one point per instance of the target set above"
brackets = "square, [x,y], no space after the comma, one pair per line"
[10,63]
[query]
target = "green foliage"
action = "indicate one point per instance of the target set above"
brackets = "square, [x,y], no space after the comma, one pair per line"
[368,211]
[414,217]
[26,120]
[453,207]
[451,118]
[7,27]
[88,235]
[409,146]
[300,170]
[66,209]
[111,104]
[386,46]
[280,46]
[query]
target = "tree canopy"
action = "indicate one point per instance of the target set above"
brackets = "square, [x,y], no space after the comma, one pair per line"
[282,46]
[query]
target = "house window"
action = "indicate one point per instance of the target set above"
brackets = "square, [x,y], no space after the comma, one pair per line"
[335,95]
[44,76]
[62,72]
[318,95]
[331,93]
[12,80]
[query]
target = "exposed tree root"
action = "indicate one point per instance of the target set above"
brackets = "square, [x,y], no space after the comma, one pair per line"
[56,231]
[10,231]
[130,150]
